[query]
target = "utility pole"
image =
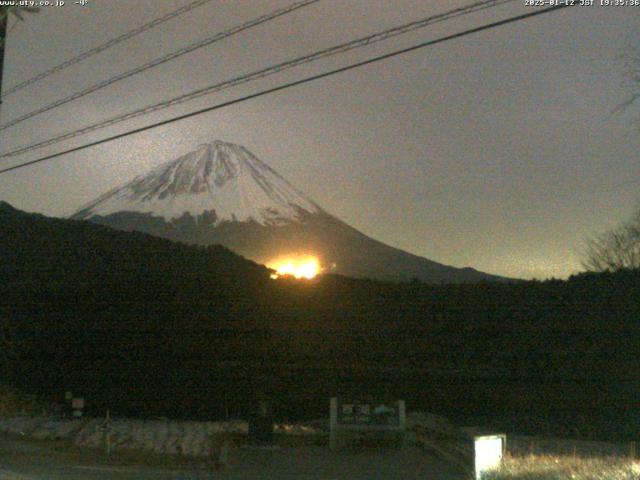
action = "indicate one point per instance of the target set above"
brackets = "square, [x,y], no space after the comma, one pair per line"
[3,33]
[4,21]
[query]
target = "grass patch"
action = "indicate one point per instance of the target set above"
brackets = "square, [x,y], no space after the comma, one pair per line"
[549,467]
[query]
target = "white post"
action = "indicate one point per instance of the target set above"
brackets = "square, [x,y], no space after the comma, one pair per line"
[488,453]
[402,418]
[107,433]
[333,423]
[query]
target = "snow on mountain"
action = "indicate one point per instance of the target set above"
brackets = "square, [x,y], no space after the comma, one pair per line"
[221,194]
[221,177]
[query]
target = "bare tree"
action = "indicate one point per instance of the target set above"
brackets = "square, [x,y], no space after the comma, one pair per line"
[18,12]
[616,249]
[4,18]
[632,80]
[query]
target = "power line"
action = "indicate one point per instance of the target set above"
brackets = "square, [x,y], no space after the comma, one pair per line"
[105,46]
[360,42]
[158,61]
[295,83]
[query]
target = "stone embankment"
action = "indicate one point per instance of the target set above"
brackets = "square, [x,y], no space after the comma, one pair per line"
[192,438]
[188,438]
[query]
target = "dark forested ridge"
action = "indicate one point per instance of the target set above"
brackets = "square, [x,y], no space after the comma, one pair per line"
[145,326]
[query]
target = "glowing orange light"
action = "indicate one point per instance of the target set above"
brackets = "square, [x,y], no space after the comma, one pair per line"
[298,267]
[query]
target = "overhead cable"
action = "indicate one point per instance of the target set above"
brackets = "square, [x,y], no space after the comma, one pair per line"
[327,52]
[293,84]
[160,60]
[100,48]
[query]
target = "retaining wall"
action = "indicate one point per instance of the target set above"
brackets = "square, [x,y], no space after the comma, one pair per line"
[157,436]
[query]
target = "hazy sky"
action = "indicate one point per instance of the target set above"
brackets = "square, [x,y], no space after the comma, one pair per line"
[497,150]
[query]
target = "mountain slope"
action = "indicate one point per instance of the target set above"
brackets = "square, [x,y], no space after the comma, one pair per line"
[39,253]
[220,177]
[223,194]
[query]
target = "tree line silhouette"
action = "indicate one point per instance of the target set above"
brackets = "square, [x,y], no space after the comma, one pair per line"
[148,327]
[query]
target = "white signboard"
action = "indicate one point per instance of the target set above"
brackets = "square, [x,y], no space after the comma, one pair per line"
[489,450]
[365,416]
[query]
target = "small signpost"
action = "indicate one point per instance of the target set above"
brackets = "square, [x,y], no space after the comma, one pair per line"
[77,404]
[261,425]
[106,430]
[365,418]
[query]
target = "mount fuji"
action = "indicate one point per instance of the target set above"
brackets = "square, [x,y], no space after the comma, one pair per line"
[223,194]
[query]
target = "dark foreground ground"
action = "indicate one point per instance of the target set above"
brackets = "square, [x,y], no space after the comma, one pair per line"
[22,459]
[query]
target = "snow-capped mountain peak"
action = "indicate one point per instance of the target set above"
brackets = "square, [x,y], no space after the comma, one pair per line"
[221,177]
